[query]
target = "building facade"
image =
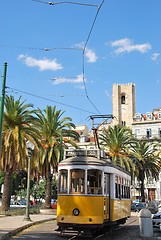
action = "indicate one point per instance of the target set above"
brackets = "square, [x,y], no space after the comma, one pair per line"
[145,126]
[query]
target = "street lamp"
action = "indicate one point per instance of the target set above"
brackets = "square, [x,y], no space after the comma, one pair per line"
[30,148]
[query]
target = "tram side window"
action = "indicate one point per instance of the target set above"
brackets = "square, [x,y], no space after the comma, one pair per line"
[94,178]
[127,189]
[117,187]
[63,181]
[122,187]
[77,184]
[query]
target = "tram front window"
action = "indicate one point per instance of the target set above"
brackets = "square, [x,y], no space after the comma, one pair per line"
[77,177]
[94,178]
[63,180]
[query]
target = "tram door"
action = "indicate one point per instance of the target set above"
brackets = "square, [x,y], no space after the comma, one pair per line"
[106,195]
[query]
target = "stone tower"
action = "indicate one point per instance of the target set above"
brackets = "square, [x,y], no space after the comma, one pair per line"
[123,104]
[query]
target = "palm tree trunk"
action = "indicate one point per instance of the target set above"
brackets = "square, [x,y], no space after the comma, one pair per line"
[6,196]
[142,191]
[47,203]
[141,178]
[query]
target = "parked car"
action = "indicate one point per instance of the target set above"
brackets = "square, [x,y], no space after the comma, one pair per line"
[22,202]
[136,207]
[159,207]
[16,204]
[156,220]
[133,206]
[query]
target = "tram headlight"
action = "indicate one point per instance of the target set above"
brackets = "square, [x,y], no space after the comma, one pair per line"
[76,211]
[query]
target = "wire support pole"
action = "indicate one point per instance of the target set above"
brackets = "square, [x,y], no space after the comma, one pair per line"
[2,102]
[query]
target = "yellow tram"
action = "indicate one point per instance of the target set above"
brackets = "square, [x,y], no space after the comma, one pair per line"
[92,193]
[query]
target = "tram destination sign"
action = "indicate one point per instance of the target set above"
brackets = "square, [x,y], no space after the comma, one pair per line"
[81,152]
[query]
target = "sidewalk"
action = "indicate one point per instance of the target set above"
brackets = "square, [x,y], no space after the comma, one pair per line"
[12,225]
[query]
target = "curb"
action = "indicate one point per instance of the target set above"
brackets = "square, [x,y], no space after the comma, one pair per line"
[20,229]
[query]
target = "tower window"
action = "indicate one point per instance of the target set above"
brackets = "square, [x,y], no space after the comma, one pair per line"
[123,123]
[123,99]
[148,133]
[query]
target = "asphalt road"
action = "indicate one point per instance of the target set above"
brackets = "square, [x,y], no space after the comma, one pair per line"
[47,231]
[41,231]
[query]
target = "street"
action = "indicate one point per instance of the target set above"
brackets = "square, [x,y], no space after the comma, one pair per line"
[41,231]
[47,231]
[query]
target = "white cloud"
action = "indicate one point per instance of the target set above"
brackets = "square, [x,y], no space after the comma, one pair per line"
[42,64]
[76,80]
[90,55]
[155,56]
[127,45]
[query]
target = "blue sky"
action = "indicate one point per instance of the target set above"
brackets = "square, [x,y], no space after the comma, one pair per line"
[70,54]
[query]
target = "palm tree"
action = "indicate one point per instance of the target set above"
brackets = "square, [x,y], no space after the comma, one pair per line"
[118,140]
[51,127]
[18,127]
[147,162]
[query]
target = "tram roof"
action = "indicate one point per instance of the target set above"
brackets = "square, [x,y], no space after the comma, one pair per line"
[87,160]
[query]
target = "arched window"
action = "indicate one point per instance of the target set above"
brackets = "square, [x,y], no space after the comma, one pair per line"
[123,99]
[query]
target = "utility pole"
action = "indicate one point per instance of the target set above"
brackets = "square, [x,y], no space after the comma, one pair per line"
[2,102]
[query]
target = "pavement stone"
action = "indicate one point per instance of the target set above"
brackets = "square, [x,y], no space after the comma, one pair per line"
[11,225]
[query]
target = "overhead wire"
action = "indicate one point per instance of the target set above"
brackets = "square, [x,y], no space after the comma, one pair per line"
[47,99]
[84,49]
[67,2]
[85,45]
[45,49]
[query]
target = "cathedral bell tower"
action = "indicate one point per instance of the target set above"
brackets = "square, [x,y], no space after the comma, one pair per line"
[123,104]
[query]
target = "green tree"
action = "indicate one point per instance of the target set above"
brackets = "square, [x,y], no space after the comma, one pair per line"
[147,162]
[18,127]
[39,189]
[52,126]
[118,140]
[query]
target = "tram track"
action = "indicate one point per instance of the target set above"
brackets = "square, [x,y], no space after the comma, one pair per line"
[133,221]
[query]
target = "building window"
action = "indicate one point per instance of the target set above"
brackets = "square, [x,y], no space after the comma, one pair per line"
[149,116]
[137,116]
[159,132]
[159,115]
[123,99]
[123,123]
[148,133]
[137,132]
[150,180]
